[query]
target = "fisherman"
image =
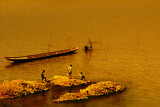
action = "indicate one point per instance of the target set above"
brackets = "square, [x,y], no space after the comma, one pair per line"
[82,77]
[70,71]
[86,48]
[43,75]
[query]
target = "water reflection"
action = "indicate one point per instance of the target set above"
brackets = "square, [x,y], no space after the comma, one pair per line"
[12,64]
[88,51]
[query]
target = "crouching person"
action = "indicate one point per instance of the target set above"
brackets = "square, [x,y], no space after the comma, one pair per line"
[82,77]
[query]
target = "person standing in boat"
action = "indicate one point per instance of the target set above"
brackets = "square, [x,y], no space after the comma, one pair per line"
[43,75]
[86,48]
[70,71]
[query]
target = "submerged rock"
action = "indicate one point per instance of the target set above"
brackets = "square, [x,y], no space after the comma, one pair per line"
[71,97]
[16,88]
[101,88]
[66,81]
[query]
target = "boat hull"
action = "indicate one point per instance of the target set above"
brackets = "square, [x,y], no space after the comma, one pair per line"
[42,55]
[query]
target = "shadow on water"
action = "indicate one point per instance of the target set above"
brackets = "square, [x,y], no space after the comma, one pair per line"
[89,51]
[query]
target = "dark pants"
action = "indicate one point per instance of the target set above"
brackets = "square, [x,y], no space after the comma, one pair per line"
[43,78]
[83,77]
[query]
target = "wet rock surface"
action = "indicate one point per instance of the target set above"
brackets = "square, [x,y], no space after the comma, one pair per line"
[16,88]
[101,88]
[65,81]
[71,97]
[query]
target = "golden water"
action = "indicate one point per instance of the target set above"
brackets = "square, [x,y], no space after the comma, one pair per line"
[126,45]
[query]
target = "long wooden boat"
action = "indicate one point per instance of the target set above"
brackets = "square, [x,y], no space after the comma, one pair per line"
[42,55]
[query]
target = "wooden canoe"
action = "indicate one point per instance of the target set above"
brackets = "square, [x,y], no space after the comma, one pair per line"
[42,55]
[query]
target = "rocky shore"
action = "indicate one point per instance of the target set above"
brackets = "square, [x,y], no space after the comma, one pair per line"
[16,88]
[65,81]
[101,88]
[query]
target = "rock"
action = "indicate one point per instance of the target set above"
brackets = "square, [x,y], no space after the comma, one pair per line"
[71,97]
[101,88]
[65,81]
[16,88]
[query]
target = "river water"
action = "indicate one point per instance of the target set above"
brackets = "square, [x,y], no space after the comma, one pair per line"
[124,35]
